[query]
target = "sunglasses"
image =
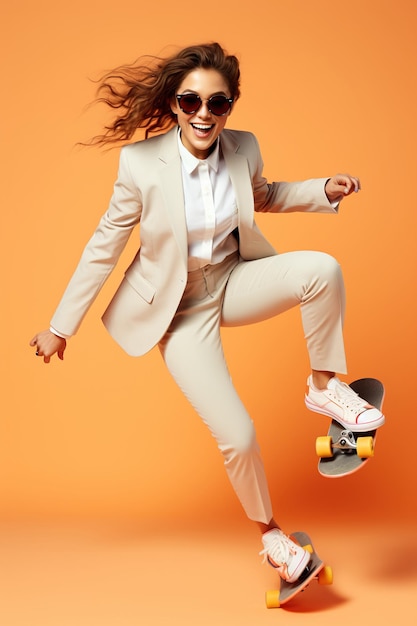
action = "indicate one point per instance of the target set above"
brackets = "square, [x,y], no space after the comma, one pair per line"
[190,103]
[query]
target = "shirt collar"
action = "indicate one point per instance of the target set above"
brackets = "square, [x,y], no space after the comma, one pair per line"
[190,162]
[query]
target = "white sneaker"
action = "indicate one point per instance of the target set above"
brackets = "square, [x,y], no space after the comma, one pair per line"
[342,404]
[287,557]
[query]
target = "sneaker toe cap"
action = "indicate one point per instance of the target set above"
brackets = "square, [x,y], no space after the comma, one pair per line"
[371,417]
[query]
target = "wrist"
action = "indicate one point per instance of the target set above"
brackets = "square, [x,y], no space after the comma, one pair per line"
[58,333]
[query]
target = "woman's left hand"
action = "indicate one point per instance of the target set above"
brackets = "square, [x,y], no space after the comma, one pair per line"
[341,185]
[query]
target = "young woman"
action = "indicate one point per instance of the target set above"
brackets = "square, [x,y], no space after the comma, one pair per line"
[203,263]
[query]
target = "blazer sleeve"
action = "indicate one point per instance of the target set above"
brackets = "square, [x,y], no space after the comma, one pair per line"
[280,197]
[101,252]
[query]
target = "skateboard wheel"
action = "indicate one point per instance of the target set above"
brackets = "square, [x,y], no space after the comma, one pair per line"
[324,447]
[365,447]
[325,576]
[272,599]
[308,548]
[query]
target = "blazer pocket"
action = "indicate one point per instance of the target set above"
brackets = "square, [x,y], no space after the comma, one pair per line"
[142,286]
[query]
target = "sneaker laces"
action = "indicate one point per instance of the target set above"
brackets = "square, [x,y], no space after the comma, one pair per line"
[278,549]
[347,397]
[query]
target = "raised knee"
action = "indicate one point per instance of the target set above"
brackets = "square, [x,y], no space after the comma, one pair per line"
[327,261]
[328,268]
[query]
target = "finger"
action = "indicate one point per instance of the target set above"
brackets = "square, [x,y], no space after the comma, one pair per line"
[350,183]
[347,187]
[346,183]
[46,359]
[354,184]
[33,341]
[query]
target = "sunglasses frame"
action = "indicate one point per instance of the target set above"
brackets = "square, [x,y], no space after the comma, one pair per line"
[201,101]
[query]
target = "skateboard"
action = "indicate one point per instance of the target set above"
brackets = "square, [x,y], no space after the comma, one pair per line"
[343,452]
[316,569]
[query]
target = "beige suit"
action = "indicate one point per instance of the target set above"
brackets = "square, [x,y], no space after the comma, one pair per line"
[160,302]
[149,190]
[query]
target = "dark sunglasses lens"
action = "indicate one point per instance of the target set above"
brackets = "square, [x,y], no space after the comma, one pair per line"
[219,105]
[189,103]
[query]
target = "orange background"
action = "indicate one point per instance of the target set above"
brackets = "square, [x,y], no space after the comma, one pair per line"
[326,88]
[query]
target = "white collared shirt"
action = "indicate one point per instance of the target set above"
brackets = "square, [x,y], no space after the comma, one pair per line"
[210,207]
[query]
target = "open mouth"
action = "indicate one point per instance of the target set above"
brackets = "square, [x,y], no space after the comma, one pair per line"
[202,130]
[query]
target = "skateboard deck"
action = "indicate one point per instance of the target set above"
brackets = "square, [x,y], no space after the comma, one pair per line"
[343,452]
[316,569]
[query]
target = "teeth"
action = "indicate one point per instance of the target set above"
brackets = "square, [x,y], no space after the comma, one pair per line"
[202,126]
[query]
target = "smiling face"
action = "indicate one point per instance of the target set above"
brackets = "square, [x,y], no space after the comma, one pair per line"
[200,130]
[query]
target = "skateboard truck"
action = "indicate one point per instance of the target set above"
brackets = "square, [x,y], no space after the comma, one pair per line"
[346,442]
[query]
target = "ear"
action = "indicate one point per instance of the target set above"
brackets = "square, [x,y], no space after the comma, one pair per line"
[174,106]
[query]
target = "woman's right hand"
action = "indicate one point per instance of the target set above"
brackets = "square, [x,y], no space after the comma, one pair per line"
[47,344]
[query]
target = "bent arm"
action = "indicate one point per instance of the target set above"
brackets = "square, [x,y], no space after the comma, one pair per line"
[285,197]
[308,196]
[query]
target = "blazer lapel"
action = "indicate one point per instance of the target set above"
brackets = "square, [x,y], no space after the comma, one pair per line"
[238,168]
[252,244]
[172,189]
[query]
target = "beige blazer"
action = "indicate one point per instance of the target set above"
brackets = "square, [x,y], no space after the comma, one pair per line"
[149,191]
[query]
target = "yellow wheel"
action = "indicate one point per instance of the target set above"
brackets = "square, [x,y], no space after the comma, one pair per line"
[324,447]
[308,548]
[365,447]
[272,599]
[325,576]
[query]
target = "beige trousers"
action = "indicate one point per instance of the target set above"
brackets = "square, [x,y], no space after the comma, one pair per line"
[234,293]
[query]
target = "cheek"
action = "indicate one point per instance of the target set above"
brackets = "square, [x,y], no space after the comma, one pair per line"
[223,121]
[181,121]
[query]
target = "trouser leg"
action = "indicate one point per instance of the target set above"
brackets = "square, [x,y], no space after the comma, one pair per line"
[260,289]
[193,353]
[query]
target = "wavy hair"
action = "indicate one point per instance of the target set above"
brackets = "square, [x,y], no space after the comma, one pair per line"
[142,92]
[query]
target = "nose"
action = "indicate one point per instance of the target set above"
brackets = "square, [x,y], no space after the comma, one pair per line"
[203,111]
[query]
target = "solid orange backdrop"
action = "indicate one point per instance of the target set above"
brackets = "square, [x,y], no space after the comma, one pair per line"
[324,89]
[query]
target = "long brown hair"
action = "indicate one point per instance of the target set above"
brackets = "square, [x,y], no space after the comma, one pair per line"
[142,93]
